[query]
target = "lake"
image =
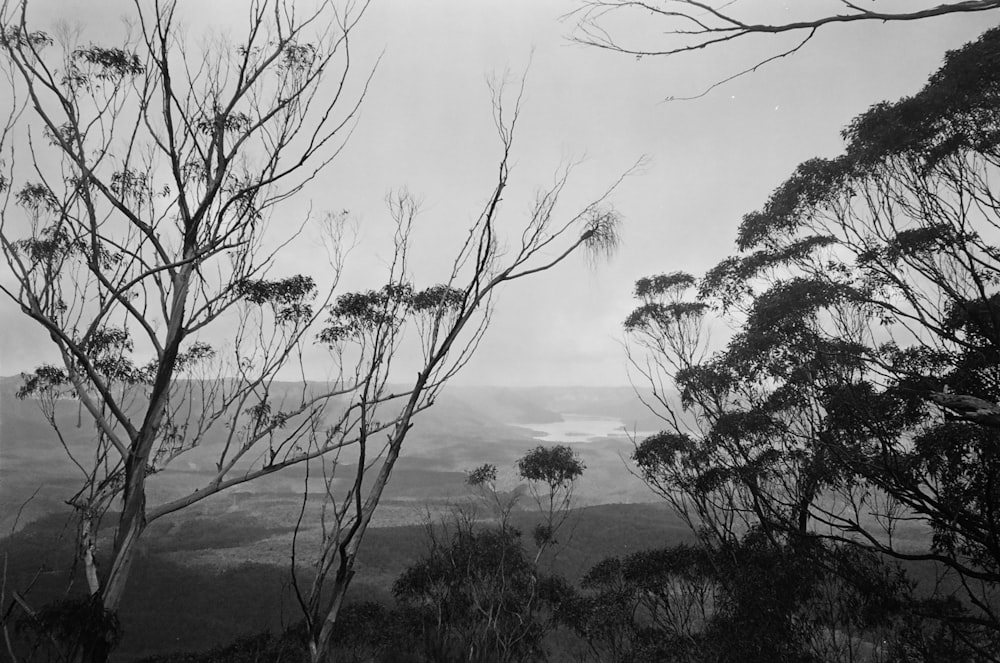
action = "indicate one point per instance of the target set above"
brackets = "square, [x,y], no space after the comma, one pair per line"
[580,429]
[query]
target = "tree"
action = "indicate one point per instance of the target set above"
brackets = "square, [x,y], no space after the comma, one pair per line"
[555,468]
[684,26]
[140,180]
[747,601]
[450,320]
[478,595]
[141,236]
[650,606]
[855,402]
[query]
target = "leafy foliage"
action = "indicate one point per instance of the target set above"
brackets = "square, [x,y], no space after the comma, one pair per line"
[83,622]
[477,594]
[556,466]
[437,298]
[859,394]
[482,475]
[110,63]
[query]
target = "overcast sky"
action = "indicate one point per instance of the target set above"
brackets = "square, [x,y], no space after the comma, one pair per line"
[426,125]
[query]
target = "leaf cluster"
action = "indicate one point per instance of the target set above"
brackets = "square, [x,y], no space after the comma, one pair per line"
[556,466]
[357,314]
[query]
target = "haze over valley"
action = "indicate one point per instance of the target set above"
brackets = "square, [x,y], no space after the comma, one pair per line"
[244,535]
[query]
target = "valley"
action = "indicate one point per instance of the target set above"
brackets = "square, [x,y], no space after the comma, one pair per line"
[220,569]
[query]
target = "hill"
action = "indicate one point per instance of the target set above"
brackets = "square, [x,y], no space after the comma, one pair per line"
[468,426]
[199,577]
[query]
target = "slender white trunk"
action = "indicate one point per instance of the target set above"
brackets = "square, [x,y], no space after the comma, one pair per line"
[88,544]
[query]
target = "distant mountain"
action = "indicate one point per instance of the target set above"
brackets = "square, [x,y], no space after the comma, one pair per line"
[466,427]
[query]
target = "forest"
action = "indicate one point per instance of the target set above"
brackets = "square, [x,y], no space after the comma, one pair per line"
[250,435]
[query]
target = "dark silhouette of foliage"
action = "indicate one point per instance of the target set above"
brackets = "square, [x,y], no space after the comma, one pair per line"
[476,598]
[555,470]
[555,466]
[751,600]
[857,404]
[71,628]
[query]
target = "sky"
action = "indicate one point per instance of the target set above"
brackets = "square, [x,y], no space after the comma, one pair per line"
[426,125]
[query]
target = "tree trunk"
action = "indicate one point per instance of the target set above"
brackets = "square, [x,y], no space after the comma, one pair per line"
[114,586]
[98,635]
[319,650]
[97,644]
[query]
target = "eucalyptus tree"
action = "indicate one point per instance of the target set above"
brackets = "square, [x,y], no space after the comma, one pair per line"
[651,605]
[478,594]
[856,401]
[551,473]
[448,321]
[140,180]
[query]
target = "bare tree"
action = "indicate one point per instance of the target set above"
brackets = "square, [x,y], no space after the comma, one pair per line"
[683,26]
[139,182]
[449,320]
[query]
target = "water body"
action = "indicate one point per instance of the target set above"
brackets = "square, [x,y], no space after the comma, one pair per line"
[580,429]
